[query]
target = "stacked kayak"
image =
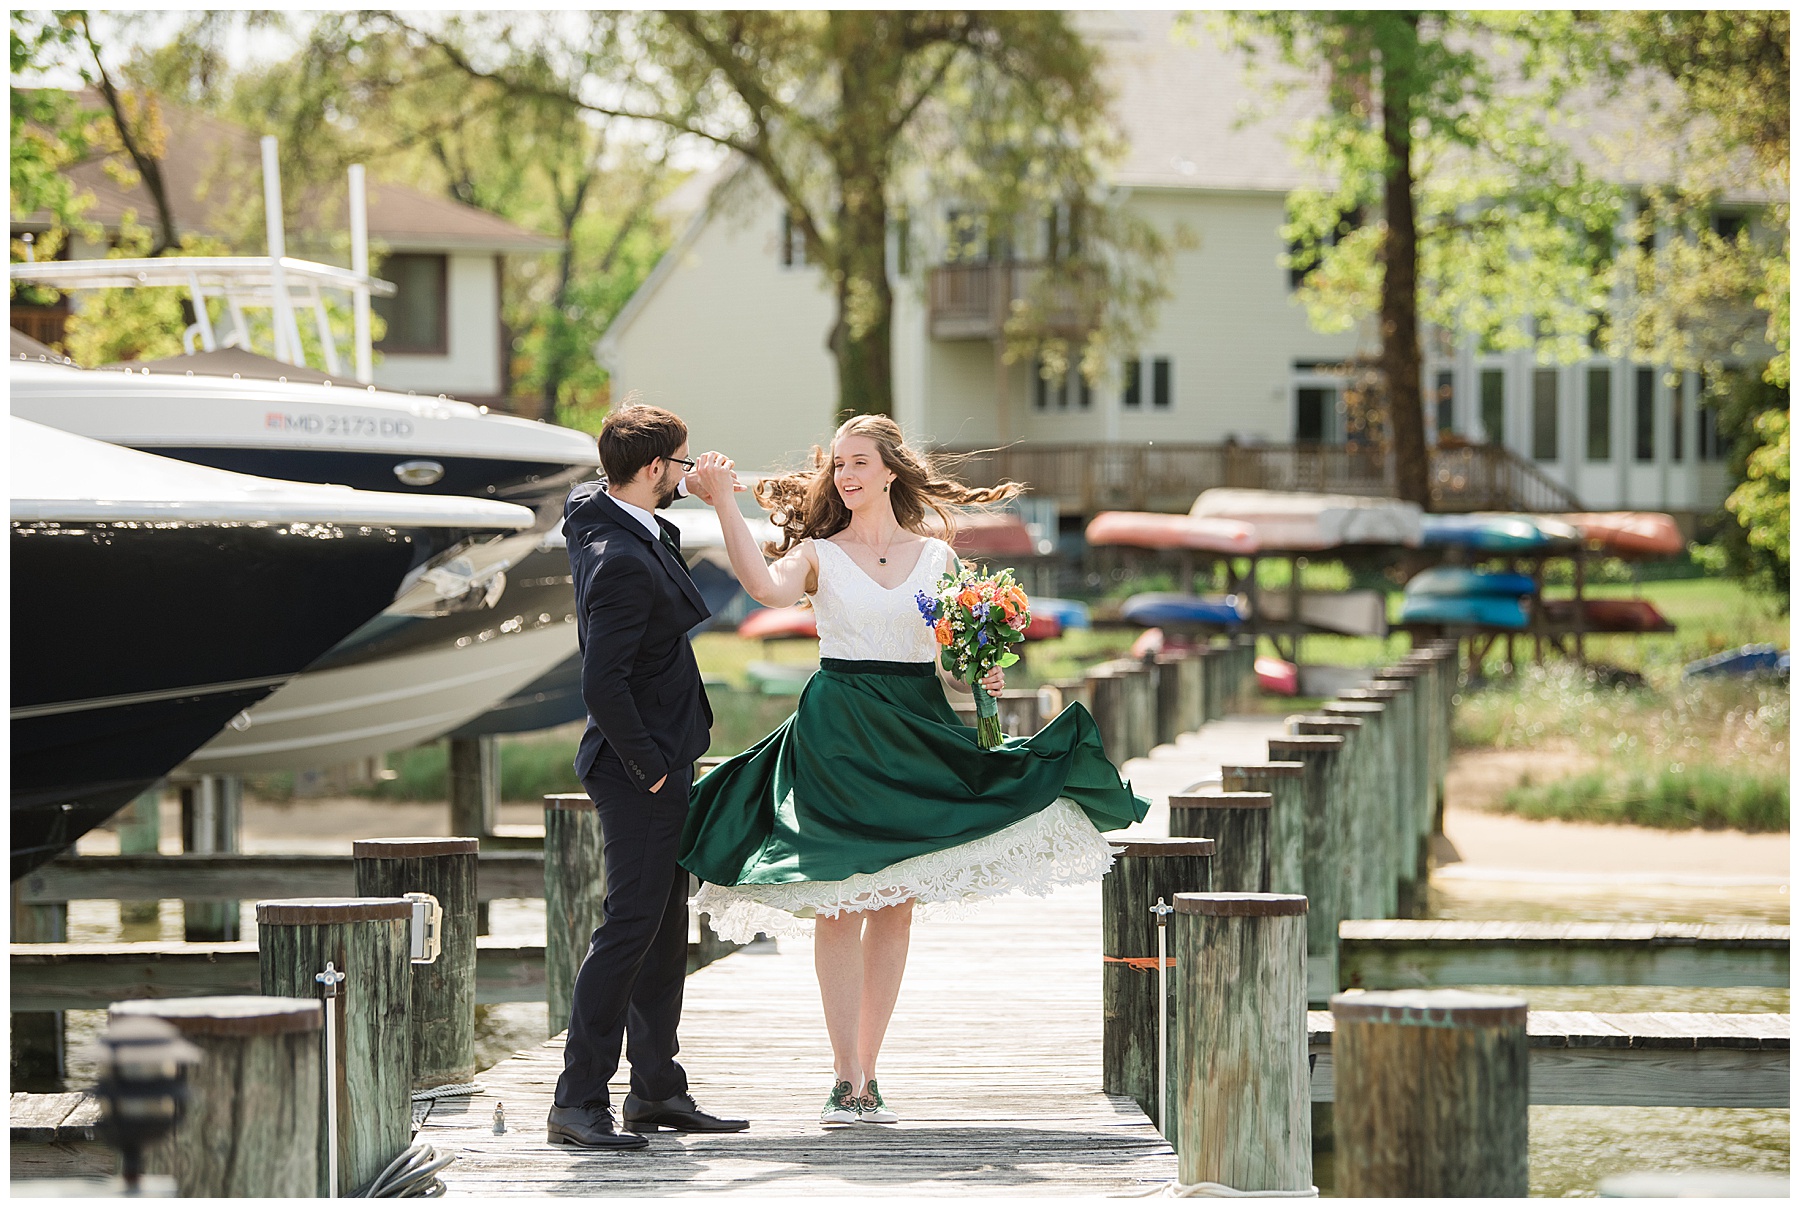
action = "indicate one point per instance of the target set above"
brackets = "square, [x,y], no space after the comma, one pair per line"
[982,535]
[1278,676]
[1499,532]
[1359,613]
[1455,595]
[1163,530]
[1068,614]
[1628,534]
[1174,610]
[771,623]
[1298,520]
[1759,659]
[1611,616]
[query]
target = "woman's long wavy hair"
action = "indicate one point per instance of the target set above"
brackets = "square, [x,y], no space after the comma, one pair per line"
[806,503]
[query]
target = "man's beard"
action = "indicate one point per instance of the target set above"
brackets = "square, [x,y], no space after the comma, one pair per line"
[668,493]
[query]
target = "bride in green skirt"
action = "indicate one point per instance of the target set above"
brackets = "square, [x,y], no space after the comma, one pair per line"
[873,796]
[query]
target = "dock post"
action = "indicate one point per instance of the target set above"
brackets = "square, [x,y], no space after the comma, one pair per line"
[1379,802]
[574,896]
[1357,835]
[252,1122]
[1243,1092]
[1240,824]
[39,1056]
[1145,871]
[368,941]
[139,826]
[212,810]
[1112,713]
[1431,1093]
[1141,694]
[443,992]
[1180,697]
[1417,746]
[1212,665]
[1323,871]
[474,787]
[1285,784]
[1393,804]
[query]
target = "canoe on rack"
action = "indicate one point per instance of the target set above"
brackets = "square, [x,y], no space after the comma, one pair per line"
[1174,610]
[1629,534]
[1278,676]
[791,622]
[1499,532]
[1611,616]
[1164,530]
[1461,581]
[1299,520]
[1491,612]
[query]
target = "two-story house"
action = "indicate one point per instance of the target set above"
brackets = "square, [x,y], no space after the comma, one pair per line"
[444,328]
[730,331]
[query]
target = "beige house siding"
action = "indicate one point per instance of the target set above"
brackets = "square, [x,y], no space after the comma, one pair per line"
[733,342]
[471,367]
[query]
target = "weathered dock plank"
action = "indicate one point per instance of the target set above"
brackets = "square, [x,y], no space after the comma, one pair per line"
[993,1062]
[237,877]
[1397,954]
[64,977]
[1649,1059]
[57,1136]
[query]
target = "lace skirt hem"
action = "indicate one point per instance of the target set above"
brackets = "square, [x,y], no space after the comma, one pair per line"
[1056,846]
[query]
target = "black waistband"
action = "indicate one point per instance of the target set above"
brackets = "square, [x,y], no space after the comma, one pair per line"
[877,667]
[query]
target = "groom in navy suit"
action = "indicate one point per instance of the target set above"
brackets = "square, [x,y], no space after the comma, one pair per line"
[648,720]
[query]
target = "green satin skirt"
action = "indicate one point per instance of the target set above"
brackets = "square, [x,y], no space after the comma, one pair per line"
[874,767]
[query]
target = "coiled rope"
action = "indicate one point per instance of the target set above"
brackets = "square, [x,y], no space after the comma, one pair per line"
[412,1175]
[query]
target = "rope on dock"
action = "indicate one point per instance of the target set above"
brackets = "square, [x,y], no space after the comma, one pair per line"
[411,1175]
[1217,1191]
[451,1091]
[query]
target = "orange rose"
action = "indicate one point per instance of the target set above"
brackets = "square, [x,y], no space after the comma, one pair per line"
[968,598]
[945,635]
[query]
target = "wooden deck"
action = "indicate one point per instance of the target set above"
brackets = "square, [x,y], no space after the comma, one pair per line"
[992,1061]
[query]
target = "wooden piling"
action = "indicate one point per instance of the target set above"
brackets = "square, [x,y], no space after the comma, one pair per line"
[212,810]
[1106,690]
[39,1056]
[1242,1109]
[1143,872]
[366,939]
[574,896]
[139,826]
[1240,824]
[1390,802]
[252,1122]
[474,789]
[1431,1089]
[1141,694]
[443,992]
[1180,695]
[1285,784]
[1418,747]
[1322,859]
[1360,857]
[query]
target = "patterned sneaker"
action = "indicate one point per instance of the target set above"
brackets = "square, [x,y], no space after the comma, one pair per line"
[872,1108]
[842,1107]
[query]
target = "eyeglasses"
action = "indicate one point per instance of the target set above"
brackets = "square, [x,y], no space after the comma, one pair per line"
[688,462]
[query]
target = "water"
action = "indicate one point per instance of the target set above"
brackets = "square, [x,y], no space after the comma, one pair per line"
[1572,1148]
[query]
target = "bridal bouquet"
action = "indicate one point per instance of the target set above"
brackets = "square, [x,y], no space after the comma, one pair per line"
[975,619]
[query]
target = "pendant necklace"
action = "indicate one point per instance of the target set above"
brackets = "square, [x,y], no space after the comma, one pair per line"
[882,556]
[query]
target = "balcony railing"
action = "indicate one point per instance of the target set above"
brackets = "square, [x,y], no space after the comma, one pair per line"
[973,301]
[1087,478]
[42,323]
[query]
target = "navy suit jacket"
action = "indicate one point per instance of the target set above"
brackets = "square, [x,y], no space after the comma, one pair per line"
[646,704]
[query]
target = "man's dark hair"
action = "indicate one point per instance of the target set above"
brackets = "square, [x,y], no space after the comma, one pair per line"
[634,436]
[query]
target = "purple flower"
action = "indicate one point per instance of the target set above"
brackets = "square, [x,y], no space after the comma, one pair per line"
[928,608]
[981,637]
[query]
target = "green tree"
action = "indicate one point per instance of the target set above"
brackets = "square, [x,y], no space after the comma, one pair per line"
[1450,204]
[841,111]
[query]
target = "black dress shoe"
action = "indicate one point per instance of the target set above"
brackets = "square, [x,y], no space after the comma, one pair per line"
[679,1114]
[589,1126]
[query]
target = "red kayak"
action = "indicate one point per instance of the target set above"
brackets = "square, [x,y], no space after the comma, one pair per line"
[792,622]
[1611,616]
[1278,676]
[1630,534]
[992,535]
[1162,530]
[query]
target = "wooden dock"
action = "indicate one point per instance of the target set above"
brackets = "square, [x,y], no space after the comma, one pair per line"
[992,1061]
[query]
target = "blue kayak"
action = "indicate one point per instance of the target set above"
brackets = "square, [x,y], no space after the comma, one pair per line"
[1070,614]
[1492,612]
[1461,581]
[1759,659]
[1494,532]
[1157,608]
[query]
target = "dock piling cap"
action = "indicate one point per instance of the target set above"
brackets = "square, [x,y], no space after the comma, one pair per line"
[567,801]
[1128,849]
[228,1014]
[413,849]
[1241,905]
[1430,1008]
[307,911]
[1219,799]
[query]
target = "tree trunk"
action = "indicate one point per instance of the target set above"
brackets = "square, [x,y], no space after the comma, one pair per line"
[1400,278]
[861,335]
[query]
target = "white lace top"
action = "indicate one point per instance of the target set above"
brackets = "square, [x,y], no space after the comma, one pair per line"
[860,619]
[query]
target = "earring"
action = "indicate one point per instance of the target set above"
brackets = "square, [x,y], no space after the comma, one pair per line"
[884,487]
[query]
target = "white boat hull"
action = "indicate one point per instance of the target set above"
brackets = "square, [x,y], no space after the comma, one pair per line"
[323,718]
